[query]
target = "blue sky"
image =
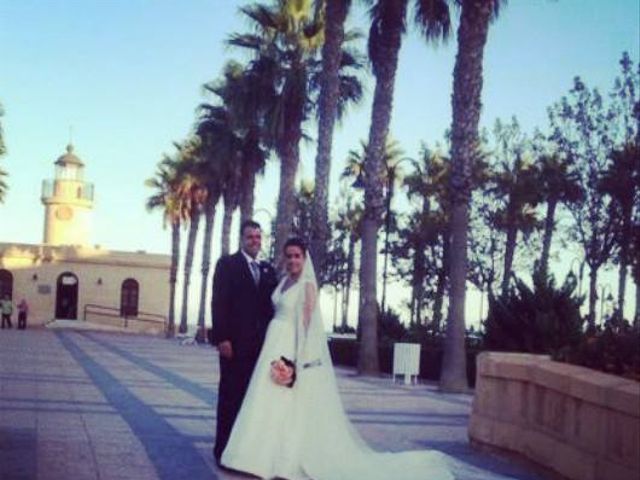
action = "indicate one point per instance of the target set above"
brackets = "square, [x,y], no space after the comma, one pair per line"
[127,76]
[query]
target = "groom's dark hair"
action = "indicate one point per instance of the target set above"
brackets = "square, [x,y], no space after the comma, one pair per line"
[296,242]
[249,224]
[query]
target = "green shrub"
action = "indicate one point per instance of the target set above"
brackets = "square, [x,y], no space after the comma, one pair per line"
[543,319]
[613,348]
[390,329]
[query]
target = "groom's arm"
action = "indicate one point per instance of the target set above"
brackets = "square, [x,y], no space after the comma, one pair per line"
[221,303]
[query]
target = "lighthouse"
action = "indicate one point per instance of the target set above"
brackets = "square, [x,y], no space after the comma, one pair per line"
[68,203]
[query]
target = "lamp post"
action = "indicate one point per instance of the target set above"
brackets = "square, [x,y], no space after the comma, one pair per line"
[391,178]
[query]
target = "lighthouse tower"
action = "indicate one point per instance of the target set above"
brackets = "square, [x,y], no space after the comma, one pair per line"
[68,203]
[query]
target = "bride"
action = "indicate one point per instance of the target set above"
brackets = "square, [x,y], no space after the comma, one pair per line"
[302,432]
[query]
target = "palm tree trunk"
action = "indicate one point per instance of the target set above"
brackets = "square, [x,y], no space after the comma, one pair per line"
[636,320]
[335,15]
[439,300]
[188,263]
[593,295]
[247,199]
[385,67]
[350,261]
[229,207]
[173,276]
[466,106]
[368,363]
[210,214]
[289,160]
[419,267]
[510,249]
[442,282]
[549,227]
[248,180]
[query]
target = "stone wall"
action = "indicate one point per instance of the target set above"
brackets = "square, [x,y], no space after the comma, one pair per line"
[579,423]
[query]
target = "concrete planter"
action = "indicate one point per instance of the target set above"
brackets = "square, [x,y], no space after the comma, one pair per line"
[577,422]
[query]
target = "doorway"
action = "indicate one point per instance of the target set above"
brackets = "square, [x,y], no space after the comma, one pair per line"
[6,283]
[67,296]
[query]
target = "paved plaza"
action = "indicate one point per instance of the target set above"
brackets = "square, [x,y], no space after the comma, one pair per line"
[78,405]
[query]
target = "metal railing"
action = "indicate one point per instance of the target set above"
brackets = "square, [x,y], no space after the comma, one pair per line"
[84,192]
[112,312]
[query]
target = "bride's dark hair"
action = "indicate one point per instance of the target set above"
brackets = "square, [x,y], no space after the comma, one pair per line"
[296,242]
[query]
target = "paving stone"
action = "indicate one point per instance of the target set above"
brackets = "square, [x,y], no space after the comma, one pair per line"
[101,406]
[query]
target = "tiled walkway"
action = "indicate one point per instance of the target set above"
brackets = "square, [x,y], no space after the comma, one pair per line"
[82,405]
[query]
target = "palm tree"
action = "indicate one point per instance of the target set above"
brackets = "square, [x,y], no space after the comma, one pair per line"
[621,181]
[391,174]
[349,221]
[212,187]
[466,105]
[218,128]
[286,70]
[427,183]
[388,22]
[242,124]
[335,15]
[513,184]
[557,185]
[208,171]
[287,39]
[165,197]
[192,193]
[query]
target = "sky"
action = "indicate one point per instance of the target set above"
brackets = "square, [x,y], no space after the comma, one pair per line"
[122,79]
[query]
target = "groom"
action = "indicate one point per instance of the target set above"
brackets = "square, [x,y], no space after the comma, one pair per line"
[241,310]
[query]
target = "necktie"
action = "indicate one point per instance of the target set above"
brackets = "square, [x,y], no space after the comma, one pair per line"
[255,271]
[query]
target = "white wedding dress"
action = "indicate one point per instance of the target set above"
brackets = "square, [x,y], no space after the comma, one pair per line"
[303,433]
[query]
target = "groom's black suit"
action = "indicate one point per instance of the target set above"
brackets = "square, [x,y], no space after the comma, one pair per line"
[241,312]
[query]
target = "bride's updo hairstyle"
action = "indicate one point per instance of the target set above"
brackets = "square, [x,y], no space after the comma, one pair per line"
[296,242]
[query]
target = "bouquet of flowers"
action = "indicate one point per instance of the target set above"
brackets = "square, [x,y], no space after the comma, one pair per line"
[283,372]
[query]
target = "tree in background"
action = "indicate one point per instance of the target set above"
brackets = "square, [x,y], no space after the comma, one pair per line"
[466,103]
[582,130]
[335,14]
[286,68]
[558,185]
[348,225]
[388,23]
[513,185]
[621,180]
[175,212]
[192,192]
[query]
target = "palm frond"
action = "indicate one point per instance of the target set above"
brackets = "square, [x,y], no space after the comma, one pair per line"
[433,19]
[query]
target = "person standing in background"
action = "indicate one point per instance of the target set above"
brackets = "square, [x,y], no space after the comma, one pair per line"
[6,308]
[23,313]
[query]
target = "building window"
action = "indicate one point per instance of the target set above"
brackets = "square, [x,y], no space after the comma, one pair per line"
[129,298]
[6,283]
